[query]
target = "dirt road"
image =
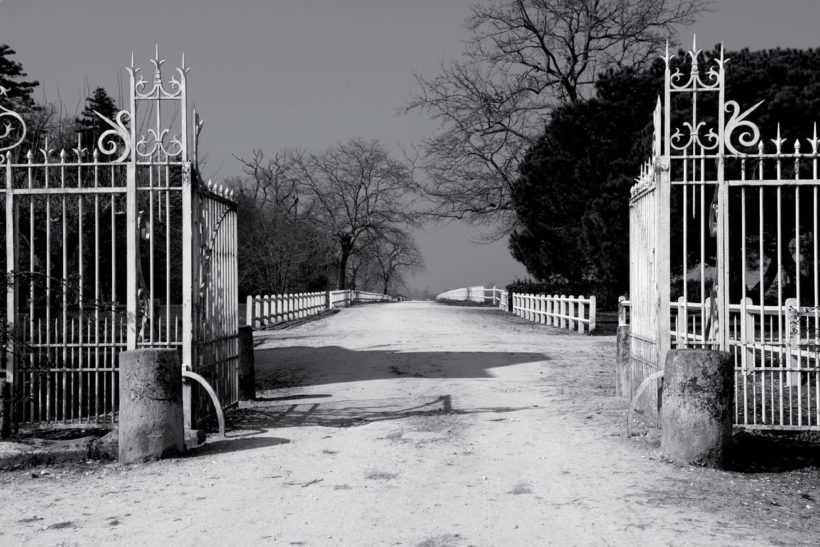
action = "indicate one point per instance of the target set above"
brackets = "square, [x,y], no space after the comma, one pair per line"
[418,424]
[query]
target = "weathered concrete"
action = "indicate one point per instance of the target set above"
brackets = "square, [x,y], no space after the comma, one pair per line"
[105,447]
[247,372]
[44,452]
[5,407]
[151,414]
[622,356]
[697,407]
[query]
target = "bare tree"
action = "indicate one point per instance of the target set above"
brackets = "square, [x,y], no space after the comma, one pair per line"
[522,58]
[396,254]
[281,246]
[356,189]
[272,181]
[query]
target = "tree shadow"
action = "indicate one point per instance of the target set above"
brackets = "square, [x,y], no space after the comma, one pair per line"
[301,366]
[774,452]
[263,415]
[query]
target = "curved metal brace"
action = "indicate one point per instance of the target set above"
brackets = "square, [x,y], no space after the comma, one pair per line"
[641,389]
[220,416]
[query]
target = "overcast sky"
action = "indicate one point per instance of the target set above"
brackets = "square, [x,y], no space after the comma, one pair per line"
[309,73]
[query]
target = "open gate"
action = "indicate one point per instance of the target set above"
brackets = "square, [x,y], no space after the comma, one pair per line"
[115,247]
[740,252]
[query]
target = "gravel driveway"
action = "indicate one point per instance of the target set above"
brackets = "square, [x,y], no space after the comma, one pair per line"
[419,424]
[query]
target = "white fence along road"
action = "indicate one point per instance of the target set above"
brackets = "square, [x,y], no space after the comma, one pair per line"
[265,311]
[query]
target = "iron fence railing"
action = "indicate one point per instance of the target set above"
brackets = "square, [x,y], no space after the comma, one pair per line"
[774,347]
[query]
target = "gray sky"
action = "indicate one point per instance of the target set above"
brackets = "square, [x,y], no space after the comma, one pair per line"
[308,73]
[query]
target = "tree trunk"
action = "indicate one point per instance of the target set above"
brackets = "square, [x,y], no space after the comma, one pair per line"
[346,248]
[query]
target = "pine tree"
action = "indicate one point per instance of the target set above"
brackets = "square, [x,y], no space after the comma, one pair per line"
[89,123]
[12,78]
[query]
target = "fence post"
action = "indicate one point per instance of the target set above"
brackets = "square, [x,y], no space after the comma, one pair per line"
[580,315]
[748,333]
[151,414]
[593,305]
[190,267]
[328,301]
[247,370]
[792,360]
[682,317]
[5,408]
[249,311]
[12,236]
[546,306]
[621,311]
[563,308]
[623,383]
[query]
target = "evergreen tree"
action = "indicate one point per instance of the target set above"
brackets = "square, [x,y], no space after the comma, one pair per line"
[89,123]
[571,198]
[13,79]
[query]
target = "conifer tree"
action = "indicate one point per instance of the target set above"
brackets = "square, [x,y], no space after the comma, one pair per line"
[18,90]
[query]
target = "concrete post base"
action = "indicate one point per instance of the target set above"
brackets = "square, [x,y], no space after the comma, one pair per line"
[697,407]
[247,372]
[151,413]
[623,385]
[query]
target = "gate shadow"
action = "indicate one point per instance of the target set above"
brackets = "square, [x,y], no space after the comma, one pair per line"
[774,452]
[302,366]
[262,415]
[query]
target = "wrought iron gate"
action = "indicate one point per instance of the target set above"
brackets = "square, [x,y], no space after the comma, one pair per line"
[113,248]
[649,273]
[744,253]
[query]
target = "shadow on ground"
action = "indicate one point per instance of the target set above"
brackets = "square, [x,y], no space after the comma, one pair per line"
[767,452]
[300,366]
[262,415]
[235,444]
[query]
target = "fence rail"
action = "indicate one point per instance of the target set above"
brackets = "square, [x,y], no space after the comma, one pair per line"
[479,295]
[265,311]
[566,312]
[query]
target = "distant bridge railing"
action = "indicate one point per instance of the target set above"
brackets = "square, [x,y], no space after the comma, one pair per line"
[266,311]
[565,312]
[479,295]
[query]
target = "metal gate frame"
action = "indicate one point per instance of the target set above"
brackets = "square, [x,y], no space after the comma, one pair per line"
[179,240]
[719,167]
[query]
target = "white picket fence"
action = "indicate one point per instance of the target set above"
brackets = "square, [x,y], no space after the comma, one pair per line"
[266,311]
[479,295]
[565,312]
